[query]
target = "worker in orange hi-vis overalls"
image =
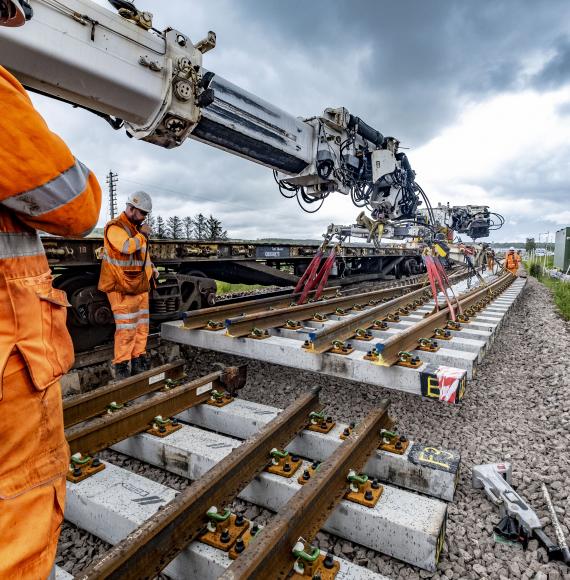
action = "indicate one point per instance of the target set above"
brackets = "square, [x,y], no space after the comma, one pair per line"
[512,262]
[126,274]
[42,187]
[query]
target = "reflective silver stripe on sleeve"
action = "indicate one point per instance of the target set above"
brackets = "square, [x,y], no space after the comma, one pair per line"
[125,326]
[126,246]
[131,315]
[126,316]
[123,263]
[144,322]
[53,194]
[20,245]
[137,243]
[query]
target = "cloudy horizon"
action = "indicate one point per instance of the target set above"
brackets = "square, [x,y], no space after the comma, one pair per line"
[478,93]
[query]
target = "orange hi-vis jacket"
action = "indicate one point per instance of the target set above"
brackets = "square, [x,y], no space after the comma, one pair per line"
[126,266]
[42,187]
[512,262]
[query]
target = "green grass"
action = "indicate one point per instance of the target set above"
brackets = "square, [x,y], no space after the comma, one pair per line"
[560,290]
[225,287]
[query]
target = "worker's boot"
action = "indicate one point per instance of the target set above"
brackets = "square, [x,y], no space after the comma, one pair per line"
[139,365]
[121,370]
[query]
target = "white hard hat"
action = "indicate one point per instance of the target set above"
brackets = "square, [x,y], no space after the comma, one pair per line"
[141,200]
[11,13]
[511,249]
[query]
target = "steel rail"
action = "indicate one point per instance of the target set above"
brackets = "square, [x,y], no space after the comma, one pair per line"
[99,433]
[200,318]
[153,545]
[270,555]
[242,326]
[87,405]
[408,339]
[322,340]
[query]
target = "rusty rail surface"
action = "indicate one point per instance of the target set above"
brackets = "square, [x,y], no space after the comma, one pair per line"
[322,340]
[270,555]
[85,406]
[96,434]
[408,339]
[152,546]
[200,318]
[242,326]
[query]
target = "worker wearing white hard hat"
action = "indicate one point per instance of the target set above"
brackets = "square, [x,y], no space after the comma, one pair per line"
[512,261]
[126,275]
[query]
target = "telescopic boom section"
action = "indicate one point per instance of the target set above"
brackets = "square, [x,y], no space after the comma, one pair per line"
[152,546]
[120,67]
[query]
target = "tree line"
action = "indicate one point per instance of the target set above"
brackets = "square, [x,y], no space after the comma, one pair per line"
[198,227]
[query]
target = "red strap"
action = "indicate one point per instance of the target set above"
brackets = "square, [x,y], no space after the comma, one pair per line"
[311,279]
[428,261]
[435,278]
[309,272]
[443,273]
[324,273]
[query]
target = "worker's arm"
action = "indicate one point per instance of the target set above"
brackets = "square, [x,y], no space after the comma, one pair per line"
[40,180]
[122,242]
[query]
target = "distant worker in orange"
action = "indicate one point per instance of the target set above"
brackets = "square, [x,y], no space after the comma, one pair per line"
[126,274]
[42,187]
[519,257]
[512,261]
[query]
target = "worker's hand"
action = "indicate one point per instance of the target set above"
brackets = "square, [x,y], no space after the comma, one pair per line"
[155,272]
[145,230]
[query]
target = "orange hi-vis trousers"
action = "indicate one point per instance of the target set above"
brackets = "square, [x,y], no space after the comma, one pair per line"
[35,459]
[131,315]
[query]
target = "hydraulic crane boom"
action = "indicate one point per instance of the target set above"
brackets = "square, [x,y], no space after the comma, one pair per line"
[118,66]
[153,84]
[90,56]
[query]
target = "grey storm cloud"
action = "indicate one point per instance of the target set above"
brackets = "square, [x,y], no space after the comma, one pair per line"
[406,67]
[556,71]
[425,58]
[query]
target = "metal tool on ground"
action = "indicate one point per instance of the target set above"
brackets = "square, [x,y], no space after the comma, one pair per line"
[519,522]
[150,548]
[564,551]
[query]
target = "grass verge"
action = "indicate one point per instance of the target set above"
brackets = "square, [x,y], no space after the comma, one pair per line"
[225,287]
[560,290]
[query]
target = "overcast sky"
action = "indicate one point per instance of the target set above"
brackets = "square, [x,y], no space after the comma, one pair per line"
[478,91]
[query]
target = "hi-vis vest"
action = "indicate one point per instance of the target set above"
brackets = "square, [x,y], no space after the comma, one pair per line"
[511,262]
[123,271]
[42,187]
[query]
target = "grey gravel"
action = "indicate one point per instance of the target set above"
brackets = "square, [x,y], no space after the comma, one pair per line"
[517,409]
